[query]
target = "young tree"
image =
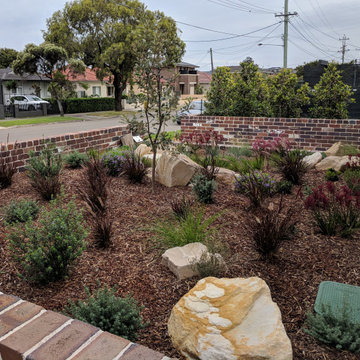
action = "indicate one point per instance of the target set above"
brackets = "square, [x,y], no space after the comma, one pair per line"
[160,48]
[286,96]
[51,61]
[219,95]
[102,34]
[7,56]
[331,96]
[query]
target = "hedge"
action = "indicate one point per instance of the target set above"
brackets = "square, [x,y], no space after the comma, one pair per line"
[82,105]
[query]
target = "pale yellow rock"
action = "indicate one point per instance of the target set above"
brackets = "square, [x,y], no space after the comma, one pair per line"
[312,160]
[338,149]
[175,170]
[229,319]
[337,163]
[226,176]
[142,150]
[127,140]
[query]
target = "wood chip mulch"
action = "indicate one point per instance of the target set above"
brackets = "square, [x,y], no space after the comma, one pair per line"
[133,263]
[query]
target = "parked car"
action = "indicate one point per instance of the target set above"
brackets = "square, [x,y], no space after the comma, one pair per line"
[195,108]
[26,102]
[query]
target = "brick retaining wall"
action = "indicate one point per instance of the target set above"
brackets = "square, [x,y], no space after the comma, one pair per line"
[310,134]
[29,332]
[18,153]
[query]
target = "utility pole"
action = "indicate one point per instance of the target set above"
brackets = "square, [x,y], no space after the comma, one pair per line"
[286,16]
[343,47]
[212,60]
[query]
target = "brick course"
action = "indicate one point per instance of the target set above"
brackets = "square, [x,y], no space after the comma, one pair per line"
[309,134]
[99,139]
[29,332]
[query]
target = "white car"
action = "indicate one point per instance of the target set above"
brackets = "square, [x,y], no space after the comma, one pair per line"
[196,108]
[26,102]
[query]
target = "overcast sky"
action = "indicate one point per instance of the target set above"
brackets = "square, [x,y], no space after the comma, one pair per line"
[313,34]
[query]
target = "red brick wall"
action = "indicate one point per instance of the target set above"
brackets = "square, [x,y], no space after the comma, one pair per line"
[310,134]
[18,153]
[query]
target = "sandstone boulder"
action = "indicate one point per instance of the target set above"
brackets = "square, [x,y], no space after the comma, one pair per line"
[229,319]
[127,140]
[175,170]
[313,159]
[338,149]
[337,163]
[182,260]
[142,150]
[226,176]
[150,157]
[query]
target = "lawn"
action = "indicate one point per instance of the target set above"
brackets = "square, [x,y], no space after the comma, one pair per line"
[112,113]
[37,120]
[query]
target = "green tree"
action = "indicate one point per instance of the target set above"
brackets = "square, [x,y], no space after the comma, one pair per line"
[219,95]
[249,92]
[7,56]
[102,34]
[286,96]
[159,48]
[331,95]
[49,60]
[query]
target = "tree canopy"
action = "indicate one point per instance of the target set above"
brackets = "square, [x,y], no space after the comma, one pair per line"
[7,56]
[101,33]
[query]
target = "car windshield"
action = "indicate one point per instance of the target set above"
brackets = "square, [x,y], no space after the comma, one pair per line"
[34,98]
[196,105]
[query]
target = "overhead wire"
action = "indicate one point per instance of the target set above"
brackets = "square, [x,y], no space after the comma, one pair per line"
[245,8]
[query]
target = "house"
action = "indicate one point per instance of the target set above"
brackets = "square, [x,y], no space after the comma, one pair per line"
[205,80]
[12,84]
[88,84]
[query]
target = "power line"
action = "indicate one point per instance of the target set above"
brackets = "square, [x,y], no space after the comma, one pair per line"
[232,5]
[232,37]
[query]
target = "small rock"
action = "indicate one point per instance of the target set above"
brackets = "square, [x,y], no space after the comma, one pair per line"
[229,319]
[127,140]
[226,176]
[313,159]
[182,260]
[142,150]
[175,170]
[337,163]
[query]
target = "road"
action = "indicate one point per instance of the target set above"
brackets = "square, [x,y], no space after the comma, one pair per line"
[39,131]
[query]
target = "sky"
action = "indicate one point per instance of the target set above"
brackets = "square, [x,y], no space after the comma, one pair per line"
[313,34]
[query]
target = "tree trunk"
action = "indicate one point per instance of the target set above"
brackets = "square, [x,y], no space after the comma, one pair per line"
[119,89]
[154,148]
[61,109]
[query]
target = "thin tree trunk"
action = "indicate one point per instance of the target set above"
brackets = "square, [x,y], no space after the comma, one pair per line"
[119,89]
[153,169]
[61,109]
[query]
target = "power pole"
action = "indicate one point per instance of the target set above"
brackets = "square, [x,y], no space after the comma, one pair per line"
[212,60]
[286,16]
[343,47]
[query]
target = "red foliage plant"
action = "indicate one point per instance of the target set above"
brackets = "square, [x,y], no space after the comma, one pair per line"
[279,144]
[201,139]
[354,162]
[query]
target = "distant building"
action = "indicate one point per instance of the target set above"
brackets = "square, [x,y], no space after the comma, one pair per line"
[205,80]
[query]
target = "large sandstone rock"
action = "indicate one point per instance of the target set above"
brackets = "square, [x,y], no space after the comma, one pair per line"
[182,260]
[226,176]
[142,150]
[151,155]
[229,319]
[337,163]
[127,140]
[175,170]
[338,149]
[313,159]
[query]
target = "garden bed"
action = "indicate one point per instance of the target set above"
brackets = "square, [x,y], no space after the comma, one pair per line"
[133,263]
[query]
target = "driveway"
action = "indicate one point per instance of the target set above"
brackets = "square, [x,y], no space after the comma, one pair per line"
[85,123]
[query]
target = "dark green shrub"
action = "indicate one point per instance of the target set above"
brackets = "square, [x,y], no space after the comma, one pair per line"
[291,165]
[181,207]
[134,168]
[256,186]
[332,329]
[44,171]
[81,105]
[75,159]
[331,175]
[352,179]
[193,228]
[20,211]
[46,249]
[203,188]
[103,309]
[7,171]
[284,187]
[271,227]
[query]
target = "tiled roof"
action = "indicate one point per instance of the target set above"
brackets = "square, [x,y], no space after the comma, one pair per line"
[204,77]
[8,74]
[185,64]
[89,75]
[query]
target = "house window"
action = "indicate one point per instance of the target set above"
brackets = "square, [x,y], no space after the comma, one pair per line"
[96,90]
[81,94]
[110,91]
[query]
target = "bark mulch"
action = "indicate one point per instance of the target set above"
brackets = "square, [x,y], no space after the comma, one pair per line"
[133,263]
